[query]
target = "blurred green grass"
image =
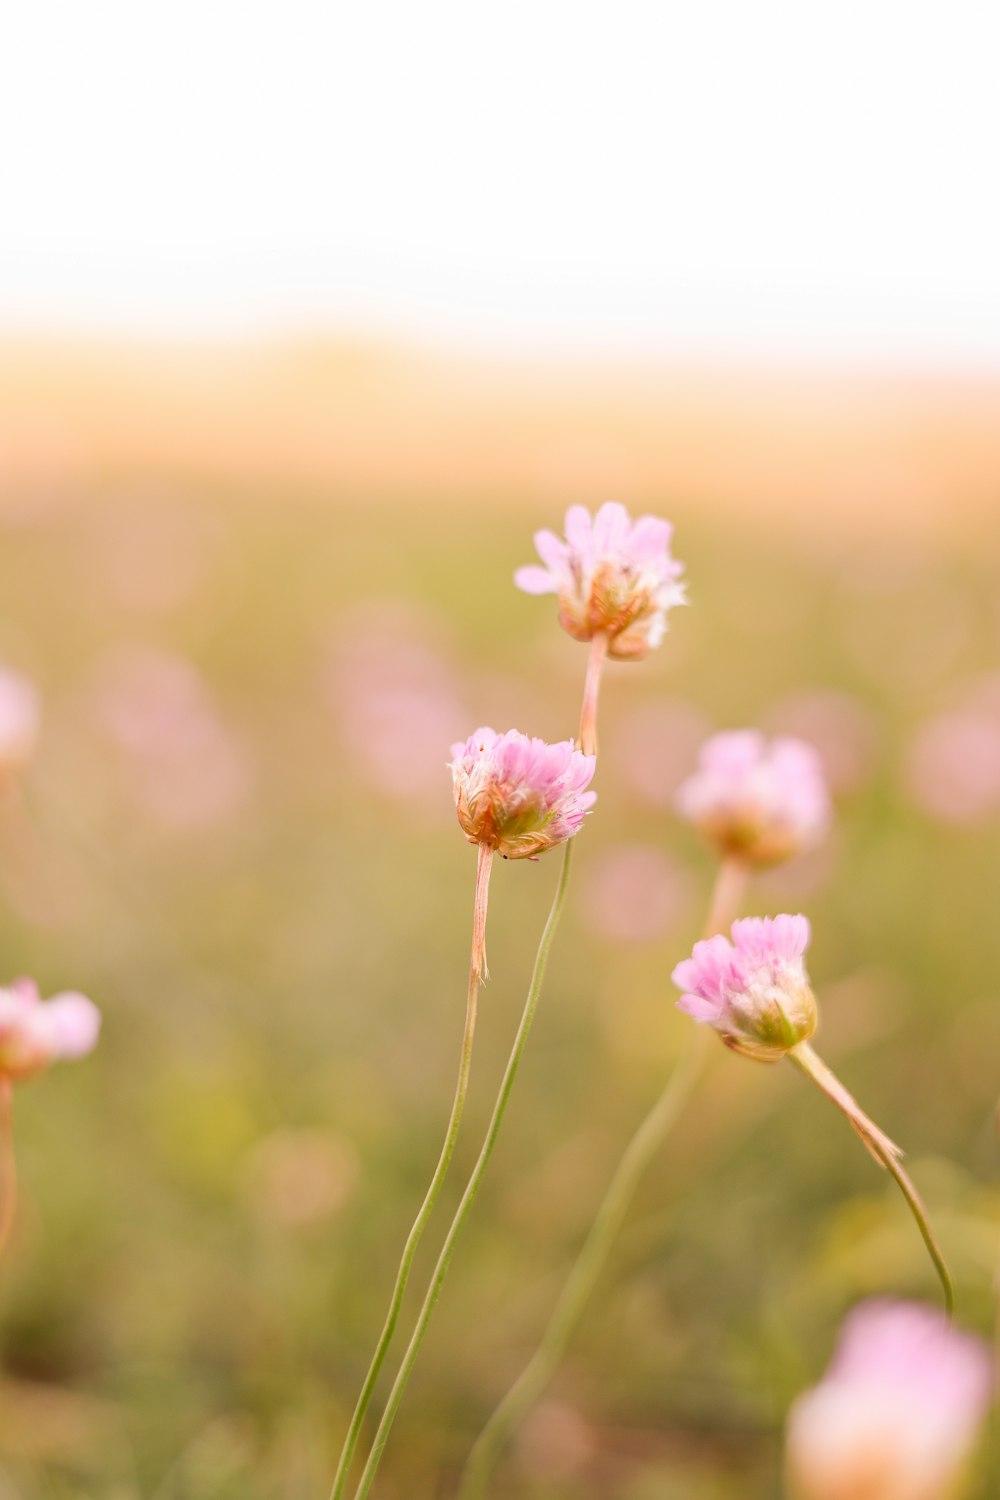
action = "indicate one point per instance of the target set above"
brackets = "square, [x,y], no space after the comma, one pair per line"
[213,1206]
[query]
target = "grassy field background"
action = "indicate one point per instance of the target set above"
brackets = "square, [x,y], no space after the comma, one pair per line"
[238,839]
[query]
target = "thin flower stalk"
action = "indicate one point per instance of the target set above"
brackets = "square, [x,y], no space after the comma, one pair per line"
[591,690]
[472,808]
[517,797]
[885,1152]
[725,901]
[472,1188]
[477,969]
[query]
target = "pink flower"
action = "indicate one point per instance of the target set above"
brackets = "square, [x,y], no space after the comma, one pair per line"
[20,715]
[755,990]
[612,575]
[520,796]
[756,801]
[33,1034]
[897,1413]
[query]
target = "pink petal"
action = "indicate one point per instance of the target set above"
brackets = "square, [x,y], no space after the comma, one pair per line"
[535,580]
[699,1008]
[74,1024]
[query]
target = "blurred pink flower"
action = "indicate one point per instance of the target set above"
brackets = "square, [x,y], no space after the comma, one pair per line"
[657,744]
[840,726]
[634,893]
[184,765]
[392,684]
[755,990]
[756,801]
[896,1416]
[20,718]
[612,575]
[520,796]
[33,1034]
[952,767]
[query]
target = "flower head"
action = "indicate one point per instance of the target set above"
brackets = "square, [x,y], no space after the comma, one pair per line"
[896,1415]
[518,795]
[20,713]
[612,575]
[34,1034]
[754,990]
[756,801]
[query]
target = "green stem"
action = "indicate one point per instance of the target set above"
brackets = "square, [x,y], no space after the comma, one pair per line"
[8,1204]
[476,964]
[472,1188]
[885,1152]
[643,1147]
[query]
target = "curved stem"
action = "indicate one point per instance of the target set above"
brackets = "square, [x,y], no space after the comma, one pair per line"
[591,688]
[8,1204]
[723,906]
[472,1188]
[476,968]
[885,1152]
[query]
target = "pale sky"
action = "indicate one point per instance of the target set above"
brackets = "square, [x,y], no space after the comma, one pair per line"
[750,176]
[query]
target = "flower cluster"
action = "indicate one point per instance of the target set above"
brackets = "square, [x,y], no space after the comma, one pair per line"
[755,801]
[754,990]
[613,576]
[896,1414]
[34,1034]
[517,795]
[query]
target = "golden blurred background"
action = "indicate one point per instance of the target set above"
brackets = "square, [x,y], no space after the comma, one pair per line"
[308,320]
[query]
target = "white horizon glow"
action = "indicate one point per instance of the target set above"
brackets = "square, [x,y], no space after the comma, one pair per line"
[719,177]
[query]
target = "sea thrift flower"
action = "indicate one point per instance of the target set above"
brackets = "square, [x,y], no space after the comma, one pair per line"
[614,577]
[756,993]
[896,1416]
[520,796]
[20,714]
[34,1034]
[755,801]
[755,990]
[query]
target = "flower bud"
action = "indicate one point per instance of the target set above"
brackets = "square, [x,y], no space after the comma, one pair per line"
[897,1413]
[755,990]
[613,576]
[33,1034]
[755,801]
[520,796]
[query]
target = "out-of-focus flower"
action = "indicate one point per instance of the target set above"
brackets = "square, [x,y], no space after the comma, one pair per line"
[34,1034]
[952,768]
[184,764]
[755,801]
[517,795]
[754,990]
[634,893]
[20,717]
[392,683]
[613,576]
[301,1177]
[896,1416]
[842,728]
